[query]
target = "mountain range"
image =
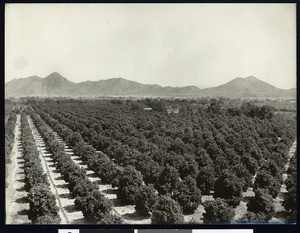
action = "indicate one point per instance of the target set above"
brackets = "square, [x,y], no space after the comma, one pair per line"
[55,85]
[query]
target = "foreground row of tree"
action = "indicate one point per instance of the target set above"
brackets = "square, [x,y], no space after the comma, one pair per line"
[94,206]
[42,202]
[9,140]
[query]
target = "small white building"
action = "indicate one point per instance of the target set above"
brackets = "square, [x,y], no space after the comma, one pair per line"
[173,110]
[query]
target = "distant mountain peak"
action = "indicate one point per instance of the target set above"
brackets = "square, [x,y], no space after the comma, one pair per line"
[55,75]
[56,78]
[254,79]
[250,80]
[251,77]
[246,78]
[120,78]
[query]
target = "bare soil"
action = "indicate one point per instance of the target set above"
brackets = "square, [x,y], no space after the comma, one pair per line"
[16,202]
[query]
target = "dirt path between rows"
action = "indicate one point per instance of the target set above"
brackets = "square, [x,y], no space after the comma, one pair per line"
[67,210]
[281,214]
[286,167]
[16,202]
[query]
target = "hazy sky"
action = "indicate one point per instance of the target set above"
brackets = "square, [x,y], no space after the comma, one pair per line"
[166,44]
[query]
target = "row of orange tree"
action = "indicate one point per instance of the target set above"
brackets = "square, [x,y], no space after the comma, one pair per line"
[42,202]
[94,206]
[197,147]
[9,139]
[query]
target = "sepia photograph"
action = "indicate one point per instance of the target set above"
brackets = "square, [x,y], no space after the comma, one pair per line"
[150,114]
